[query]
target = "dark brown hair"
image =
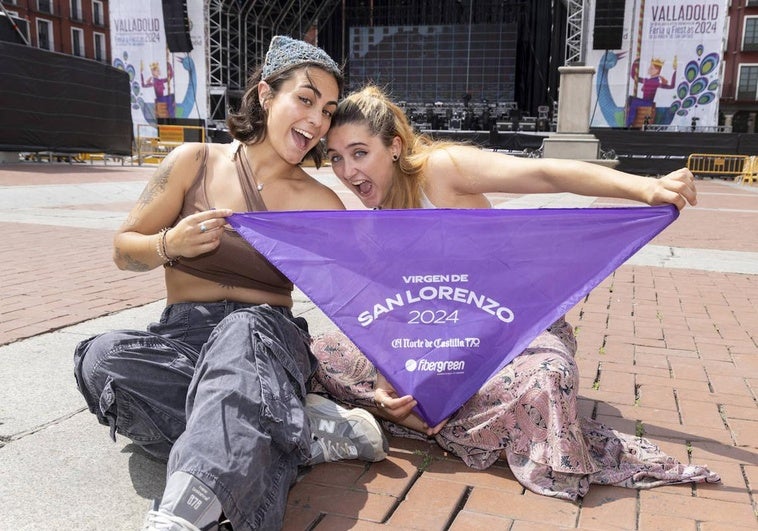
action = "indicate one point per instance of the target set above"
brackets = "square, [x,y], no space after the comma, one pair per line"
[248,123]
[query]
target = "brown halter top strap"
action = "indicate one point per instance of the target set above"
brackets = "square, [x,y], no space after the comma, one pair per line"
[246,176]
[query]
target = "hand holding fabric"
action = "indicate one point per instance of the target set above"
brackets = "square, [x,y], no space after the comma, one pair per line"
[197,234]
[400,409]
[676,188]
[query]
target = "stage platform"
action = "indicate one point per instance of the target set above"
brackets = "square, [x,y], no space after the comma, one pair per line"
[638,152]
[501,140]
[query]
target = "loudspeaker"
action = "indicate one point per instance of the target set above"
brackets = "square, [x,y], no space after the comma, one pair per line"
[176,26]
[609,25]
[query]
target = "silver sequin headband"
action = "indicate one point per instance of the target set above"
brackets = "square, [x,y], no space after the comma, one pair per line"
[285,52]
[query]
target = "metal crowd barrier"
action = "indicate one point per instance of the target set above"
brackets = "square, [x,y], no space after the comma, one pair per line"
[743,168]
[154,142]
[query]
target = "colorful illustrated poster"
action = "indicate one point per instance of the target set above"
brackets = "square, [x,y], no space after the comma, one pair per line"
[163,84]
[668,71]
[440,300]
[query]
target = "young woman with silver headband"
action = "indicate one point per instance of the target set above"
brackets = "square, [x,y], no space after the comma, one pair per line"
[217,387]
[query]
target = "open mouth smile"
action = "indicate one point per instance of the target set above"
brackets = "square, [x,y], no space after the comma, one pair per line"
[364,187]
[302,137]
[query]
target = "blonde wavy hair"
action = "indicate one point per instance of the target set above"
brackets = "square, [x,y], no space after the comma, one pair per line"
[372,107]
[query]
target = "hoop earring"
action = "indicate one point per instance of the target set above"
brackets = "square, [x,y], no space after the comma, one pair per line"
[395,158]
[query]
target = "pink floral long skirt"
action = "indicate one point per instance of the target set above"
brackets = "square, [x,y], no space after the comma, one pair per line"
[527,414]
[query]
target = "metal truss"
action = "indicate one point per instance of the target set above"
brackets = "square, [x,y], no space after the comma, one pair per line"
[237,36]
[574,24]
[222,54]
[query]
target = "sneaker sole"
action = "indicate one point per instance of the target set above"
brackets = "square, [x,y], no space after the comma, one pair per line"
[325,408]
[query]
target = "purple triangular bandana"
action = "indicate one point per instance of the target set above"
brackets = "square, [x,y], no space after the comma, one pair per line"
[440,300]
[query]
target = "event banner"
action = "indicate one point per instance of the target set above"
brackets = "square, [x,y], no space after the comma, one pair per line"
[163,85]
[440,300]
[667,72]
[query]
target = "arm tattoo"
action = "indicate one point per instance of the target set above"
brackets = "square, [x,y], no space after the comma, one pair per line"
[157,184]
[131,263]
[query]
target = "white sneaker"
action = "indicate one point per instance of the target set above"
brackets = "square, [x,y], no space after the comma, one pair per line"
[158,521]
[340,433]
[187,505]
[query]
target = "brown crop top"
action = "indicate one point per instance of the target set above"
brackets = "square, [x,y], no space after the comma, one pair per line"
[234,262]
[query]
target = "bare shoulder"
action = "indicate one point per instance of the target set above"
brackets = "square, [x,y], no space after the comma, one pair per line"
[222,156]
[464,170]
[312,194]
[184,161]
[323,197]
[445,159]
[222,150]
[468,159]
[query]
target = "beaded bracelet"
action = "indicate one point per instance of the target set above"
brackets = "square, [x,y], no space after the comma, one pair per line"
[160,248]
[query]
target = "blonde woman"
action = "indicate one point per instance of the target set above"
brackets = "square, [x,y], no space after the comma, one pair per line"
[527,413]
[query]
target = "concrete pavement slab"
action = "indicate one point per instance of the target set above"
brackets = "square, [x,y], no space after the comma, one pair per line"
[700,259]
[39,372]
[71,476]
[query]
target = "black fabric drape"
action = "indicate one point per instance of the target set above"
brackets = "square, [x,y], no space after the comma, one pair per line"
[56,102]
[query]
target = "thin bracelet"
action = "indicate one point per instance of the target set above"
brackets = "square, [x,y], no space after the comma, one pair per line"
[160,247]
[170,261]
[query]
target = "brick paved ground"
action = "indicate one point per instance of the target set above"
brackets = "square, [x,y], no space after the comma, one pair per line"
[663,351]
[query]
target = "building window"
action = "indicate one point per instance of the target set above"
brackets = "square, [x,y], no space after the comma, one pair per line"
[750,35]
[22,25]
[45,34]
[747,87]
[99,47]
[45,6]
[98,17]
[76,10]
[77,42]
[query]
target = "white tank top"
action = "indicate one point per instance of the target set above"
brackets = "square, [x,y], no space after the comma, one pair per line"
[425,203]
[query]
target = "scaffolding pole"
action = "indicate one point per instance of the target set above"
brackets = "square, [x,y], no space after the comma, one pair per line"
[574,26]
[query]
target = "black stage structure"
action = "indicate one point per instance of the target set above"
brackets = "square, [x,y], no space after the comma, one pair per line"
[481,52]
[535,39]
[56,102]
[660,152]
[638,152]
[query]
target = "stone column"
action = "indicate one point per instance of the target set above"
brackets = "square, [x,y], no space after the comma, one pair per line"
[575,99]
[572,139]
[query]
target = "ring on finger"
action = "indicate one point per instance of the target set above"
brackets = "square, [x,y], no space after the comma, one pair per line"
[203,228]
